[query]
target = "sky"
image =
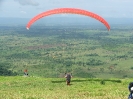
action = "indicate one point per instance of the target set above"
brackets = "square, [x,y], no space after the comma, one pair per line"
[30,8]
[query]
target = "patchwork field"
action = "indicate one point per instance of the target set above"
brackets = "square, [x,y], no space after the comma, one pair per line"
[50,51]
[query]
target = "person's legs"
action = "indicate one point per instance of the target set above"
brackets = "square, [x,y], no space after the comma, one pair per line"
[68,82]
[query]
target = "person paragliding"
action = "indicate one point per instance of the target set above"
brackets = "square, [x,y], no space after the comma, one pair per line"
[130,87]
[68,77]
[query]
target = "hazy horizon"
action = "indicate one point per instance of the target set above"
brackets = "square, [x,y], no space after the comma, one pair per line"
[64,20]
[30,8]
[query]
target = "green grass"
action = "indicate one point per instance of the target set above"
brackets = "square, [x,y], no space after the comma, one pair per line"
[50,51]
[19,87]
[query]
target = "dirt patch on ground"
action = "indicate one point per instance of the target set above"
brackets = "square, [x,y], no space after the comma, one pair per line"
[47,46]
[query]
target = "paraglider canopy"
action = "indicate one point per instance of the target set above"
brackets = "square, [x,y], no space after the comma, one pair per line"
[68,10]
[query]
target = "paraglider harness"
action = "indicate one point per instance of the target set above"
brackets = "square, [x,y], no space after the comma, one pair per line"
[130,87]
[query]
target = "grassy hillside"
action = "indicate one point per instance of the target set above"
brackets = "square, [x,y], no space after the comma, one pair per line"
[50,51]
[19,87]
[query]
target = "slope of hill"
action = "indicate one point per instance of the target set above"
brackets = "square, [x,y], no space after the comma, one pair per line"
[55,88]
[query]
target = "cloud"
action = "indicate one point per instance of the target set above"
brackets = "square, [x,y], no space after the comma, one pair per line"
[27,2]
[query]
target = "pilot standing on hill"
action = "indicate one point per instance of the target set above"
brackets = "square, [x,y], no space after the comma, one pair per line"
[26,72]
[68,77]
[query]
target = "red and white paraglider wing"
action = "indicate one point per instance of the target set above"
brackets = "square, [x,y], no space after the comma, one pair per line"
[71,11]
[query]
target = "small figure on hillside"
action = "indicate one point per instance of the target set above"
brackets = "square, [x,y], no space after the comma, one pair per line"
[25,72]
[130,87]
[68,77]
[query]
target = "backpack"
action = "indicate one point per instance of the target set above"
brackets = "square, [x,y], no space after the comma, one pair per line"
[68,76]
